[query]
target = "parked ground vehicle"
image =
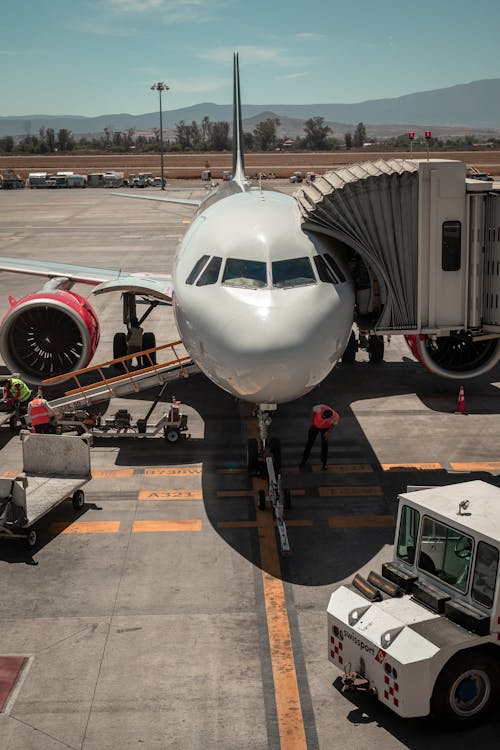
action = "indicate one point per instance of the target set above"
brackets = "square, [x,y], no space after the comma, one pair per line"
[296,177]
[424,636]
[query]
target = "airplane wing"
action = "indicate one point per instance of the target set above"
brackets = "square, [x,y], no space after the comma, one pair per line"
[162,198]
[104,280]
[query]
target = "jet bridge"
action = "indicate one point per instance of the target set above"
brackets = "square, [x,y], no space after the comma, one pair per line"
[423,244]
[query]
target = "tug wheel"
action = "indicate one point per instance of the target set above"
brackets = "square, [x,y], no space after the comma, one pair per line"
[467,689]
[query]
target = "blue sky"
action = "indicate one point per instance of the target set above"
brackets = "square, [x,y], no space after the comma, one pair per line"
[91,57]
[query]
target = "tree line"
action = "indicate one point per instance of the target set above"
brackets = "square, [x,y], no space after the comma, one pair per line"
[215,136]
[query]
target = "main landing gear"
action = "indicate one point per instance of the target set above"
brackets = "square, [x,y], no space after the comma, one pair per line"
[373,344]
[264,461]
[129,316]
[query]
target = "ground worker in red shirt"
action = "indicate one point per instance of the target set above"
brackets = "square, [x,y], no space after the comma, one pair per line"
[324,419]
[40,412]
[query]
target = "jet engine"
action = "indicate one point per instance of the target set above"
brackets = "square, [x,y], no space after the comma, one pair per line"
[48,333]
[457,357]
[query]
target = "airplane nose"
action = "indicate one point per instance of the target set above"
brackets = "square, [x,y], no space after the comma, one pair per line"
[280,354]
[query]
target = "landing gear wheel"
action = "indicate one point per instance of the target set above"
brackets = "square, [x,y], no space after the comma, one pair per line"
[376,349]
[349,355]
[262,500]
[31,539]
[467,689]
[78,499]
[275,448]
[119,345]
[252,457]
[171,435]
[287,500]
[149,342]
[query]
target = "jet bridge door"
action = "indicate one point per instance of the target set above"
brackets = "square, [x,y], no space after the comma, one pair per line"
[491,261]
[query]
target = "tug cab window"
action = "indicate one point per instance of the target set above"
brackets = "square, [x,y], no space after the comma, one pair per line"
[249,274]
[485,574]
[451,245]
[445,553]
[211,272]
[293,272]
[408,534]
[200,263]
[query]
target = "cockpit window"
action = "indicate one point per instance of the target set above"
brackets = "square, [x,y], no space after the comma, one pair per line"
[211,272]
[324,271]
[334,267]
[200,263]
[293,272]
[250,274]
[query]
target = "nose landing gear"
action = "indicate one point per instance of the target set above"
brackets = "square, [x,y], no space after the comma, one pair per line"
[264,461]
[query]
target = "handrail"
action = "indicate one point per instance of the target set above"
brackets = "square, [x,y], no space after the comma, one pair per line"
[127,375]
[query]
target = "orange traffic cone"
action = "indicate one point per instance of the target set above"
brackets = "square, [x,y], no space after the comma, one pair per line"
[461,401]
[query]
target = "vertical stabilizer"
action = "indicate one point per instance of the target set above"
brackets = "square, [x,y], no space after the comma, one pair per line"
[238,140]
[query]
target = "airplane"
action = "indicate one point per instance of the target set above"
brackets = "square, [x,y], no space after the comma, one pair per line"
[264,307]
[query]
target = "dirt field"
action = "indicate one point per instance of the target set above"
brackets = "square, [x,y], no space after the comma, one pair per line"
[282,164]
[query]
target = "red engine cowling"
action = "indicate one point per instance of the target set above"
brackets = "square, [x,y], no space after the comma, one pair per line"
[47,334]
[458,357]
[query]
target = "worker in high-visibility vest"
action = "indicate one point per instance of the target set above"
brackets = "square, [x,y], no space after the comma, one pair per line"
[16,394]
[40,413]
[323,420]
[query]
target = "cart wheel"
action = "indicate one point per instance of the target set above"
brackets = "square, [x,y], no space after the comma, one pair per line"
[262,500]
[31,538]
[172,436]
[78,500]
[287,500]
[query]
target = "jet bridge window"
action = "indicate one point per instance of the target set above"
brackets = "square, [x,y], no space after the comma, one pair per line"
[249,274]
[408,533]
[485,574]
[200,263]
[445,553]
[211,272]
[451,245]
[293,272]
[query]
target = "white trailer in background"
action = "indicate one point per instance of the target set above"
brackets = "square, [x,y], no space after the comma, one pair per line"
[424,635]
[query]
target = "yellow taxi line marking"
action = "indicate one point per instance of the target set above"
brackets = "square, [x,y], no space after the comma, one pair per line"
[184,525]
[373,491]
[173,471]
[286,692]
[235,493]
[112,473]
[476,466]
[348,522]
[230,471]
[10,474]
[251,493]
[334,469]
[411,467]
[170,495]
[254,525]
[85,527]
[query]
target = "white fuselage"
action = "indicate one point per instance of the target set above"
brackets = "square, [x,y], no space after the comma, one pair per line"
[274,332]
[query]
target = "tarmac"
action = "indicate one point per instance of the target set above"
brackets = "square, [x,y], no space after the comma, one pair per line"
[162,615]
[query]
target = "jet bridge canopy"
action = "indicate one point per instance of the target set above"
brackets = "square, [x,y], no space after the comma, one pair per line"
[373,208]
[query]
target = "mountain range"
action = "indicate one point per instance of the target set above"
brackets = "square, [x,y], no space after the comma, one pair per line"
[467,106]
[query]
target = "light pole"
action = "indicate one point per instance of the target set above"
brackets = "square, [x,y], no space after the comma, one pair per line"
[160,86]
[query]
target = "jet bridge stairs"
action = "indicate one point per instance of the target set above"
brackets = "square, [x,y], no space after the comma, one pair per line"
[117,377]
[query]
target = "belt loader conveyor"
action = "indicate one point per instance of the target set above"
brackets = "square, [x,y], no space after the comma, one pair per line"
[55,467]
